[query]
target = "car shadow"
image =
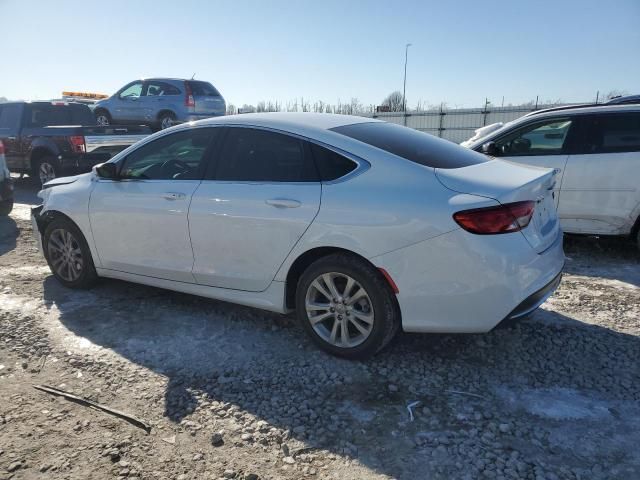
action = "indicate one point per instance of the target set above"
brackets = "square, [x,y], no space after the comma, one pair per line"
[613,258]
[9,232]
[262,363]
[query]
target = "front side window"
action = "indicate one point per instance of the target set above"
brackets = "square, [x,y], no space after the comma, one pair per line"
[133,90]
[418,147]
[179,156]
[613,133]
[541,138]
[251,155]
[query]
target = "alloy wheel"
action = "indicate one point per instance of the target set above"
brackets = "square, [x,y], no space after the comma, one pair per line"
[339,310]
[46,172]
[166,122]
[65,255]
[102,120]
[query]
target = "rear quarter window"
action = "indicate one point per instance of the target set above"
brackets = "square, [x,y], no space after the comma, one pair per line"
[203,89]
[412,145]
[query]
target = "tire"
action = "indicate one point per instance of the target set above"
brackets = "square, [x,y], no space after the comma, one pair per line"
[60,240]
[377,304]
[45,169]
[166,120]
[5,207]
[103,118]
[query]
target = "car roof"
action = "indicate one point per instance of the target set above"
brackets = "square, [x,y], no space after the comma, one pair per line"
[582,108]
[291,121]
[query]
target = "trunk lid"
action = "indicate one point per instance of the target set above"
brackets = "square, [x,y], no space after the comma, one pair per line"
[508,182]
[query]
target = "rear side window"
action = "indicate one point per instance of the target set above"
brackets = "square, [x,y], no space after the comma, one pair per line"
[413,145]
[251,155]
[331,165]
[613,133]
[203,89]
[47,115]
[160,89]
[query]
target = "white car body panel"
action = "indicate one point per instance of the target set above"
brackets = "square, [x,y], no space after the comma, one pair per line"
[153,213]
[222,241]
[601,193]
[595,193]
[241,232]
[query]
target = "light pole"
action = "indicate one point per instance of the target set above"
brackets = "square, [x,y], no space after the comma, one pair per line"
[404,89]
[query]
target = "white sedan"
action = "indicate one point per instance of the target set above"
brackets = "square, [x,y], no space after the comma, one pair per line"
[361,226]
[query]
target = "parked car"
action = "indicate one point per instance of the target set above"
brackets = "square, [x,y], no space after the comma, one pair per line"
[359,225]
[49,139]
[6,185]
[161,103]
[596,152]
[625,100]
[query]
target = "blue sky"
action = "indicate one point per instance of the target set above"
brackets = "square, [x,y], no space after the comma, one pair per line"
[463,51]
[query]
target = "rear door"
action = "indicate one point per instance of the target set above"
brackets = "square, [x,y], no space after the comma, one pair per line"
[249,215]
[542,143]
[207,98]
[139,222]
[601,188]
[157,97]
[10,122]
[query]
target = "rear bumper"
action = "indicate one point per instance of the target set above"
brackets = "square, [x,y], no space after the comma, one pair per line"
[531,303]
[464,283]
[6,189]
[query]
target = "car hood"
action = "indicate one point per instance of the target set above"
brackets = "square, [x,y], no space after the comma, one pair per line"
[64,180]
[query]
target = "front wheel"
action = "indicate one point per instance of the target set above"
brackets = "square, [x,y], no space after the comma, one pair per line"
[68,254]
[102,118]
[346,306]
[166,120]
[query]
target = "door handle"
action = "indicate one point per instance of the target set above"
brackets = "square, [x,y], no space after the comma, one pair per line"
[173,195]
[283,203]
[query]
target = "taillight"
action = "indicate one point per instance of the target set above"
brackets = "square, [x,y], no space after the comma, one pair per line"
[77,143]
[189,101]
[1,148]
[510,217]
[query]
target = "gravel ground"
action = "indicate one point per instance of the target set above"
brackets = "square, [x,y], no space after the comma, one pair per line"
[232,392]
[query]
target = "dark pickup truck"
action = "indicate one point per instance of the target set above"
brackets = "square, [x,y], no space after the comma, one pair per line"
[51,139]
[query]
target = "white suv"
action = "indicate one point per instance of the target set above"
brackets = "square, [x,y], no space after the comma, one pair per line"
[596,152]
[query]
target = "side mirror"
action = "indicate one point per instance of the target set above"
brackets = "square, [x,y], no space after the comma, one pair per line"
[108,171]
[491,149]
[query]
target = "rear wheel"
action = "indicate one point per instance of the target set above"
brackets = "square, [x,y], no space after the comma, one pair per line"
[68,254]
[103,118]
[166,120]
[346,306]
[45,169]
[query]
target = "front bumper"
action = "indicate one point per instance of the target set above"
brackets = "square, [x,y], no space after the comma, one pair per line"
[6,189]
[35,227]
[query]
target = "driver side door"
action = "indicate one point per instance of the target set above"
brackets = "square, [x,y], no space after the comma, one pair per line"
[127,103]
[139,221]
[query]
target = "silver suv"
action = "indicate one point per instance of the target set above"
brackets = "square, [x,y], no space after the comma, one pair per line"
[160,103]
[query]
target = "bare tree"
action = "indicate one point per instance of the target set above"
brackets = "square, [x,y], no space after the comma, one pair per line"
[395,101]
[231,109]
[261,107]
[248,108]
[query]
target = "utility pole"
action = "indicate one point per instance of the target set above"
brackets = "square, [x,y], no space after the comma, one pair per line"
[404,90]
